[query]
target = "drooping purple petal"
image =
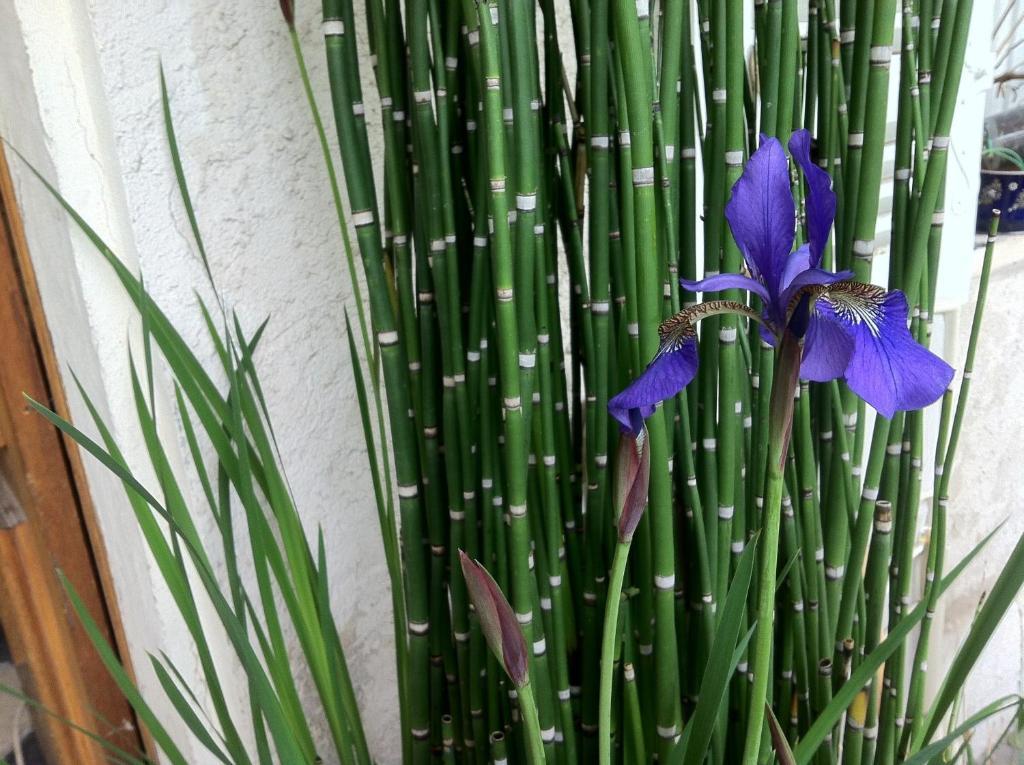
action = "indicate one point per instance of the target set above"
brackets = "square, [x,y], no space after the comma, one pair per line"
[820,202]
[828,347]
[720,282]
[665,376]
[888,368]
[761,215]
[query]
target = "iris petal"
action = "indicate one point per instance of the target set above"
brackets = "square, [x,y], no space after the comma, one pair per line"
[797,263]
[809,278]
[820,202]
[887,368]
[664,377]
[726,282]
[827,346]
[761,215]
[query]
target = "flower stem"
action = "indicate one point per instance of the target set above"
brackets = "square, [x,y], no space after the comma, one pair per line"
[780,420]
[531,725]
[611,622]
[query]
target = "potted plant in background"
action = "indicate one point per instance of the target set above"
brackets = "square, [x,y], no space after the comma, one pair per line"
[1002,163]
[1002,171]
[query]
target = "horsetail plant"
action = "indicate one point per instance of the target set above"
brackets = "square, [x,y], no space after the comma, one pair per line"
[554,191]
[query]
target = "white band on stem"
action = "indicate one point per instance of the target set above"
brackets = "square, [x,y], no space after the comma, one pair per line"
[333,27]
[419,628]
[643,176]
[880,55]
[734,158]
[526,202]
[863,248]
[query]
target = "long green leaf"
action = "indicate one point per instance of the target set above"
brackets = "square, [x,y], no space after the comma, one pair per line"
[185,710]
[935,748]
[815,735]
[1005,589]
[720,668]
[117,672]
[179,174]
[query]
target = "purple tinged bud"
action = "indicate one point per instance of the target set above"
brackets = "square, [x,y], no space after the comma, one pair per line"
[497,620]
[288,11]
[633,472]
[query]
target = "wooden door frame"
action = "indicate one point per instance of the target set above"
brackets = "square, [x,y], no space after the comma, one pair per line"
[47,521]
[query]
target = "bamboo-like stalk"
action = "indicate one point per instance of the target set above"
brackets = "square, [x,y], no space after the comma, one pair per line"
[482,175]
[362,199]
[638,93]
[944,462]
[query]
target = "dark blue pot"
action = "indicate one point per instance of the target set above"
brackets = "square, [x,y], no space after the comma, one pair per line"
[1004,190]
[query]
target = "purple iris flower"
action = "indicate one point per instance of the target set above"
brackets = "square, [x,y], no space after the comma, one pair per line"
[849,329]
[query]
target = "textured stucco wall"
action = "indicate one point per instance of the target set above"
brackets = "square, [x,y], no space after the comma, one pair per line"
[80,97]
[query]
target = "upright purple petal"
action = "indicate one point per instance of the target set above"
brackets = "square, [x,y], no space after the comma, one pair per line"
[888,368]
[798,262]
[761,215]
[820,202]
[720,282]
[665,376]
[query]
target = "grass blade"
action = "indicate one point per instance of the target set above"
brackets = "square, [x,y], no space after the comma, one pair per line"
[998,601]
[720,667]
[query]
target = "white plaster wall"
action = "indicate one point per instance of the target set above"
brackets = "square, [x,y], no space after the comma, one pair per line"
[80,96]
